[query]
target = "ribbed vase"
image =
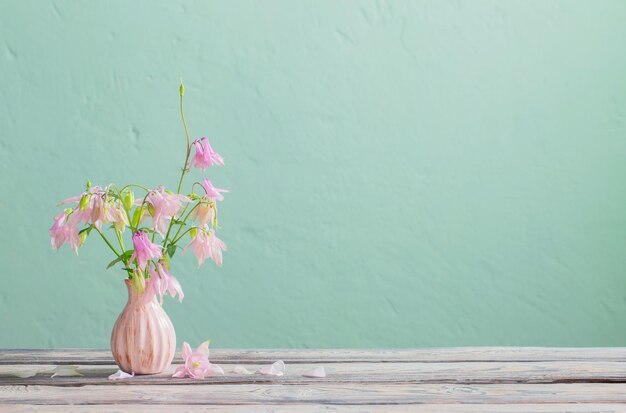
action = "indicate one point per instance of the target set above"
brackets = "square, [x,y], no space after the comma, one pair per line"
[143,340]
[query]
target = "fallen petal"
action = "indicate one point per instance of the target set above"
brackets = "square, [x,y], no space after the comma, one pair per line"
[24,373]
[318,372]
[65,371]
[214,370]
[242,370]
[121,375]
[276,369]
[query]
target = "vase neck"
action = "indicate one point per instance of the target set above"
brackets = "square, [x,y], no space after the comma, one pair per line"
[134,297]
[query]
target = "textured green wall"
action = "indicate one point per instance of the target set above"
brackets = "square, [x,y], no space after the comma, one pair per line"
[403,173]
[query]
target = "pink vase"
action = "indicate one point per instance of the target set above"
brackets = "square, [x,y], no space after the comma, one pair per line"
[143,340]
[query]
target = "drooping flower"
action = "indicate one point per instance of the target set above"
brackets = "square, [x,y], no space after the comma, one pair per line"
[206,246]
[205,155]
[145,250]
[95,207]
[204,212]
[65,229]
[114,213]
[165,206]
[197,365]
[212,192]
[161,282]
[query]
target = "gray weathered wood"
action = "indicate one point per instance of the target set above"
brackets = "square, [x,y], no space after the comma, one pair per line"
[313,408]
[322,393]
[426,355]
[460,373]
[492,379]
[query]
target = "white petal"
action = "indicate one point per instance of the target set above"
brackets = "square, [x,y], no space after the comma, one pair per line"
[121,375]
[65,371]
[214,370]
[24,373]
[242,370]
[318,372]
[276,369]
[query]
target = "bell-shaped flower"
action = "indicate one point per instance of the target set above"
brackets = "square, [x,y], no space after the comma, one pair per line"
[115,214]
[206,246]
[212,192]
[204,212]
[205,155]
[145,250]
[65,229]
[197,365]
[165,206]
[161,282]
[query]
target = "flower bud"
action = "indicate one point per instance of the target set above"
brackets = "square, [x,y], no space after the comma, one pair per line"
[129,200]
[137,217]
[139,281]
[182,88]
[88,185]
[84,202]
[151,209]
[83,237]
[193,232]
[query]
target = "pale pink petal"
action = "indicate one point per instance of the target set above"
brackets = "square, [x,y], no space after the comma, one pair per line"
[187,352]
[276,369]
[214,370]
[180,372]
[203,349]
[317,372]
[242,370]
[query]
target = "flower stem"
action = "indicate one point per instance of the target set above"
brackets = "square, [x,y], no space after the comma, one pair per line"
[107,241]
[185,220]
[182,235]
[182,175]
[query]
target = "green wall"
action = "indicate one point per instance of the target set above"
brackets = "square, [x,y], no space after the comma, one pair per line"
[402,173]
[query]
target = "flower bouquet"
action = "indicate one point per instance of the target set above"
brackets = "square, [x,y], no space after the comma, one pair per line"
[143,339]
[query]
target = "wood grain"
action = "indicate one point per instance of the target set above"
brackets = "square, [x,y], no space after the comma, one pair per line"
[492,379]
[328,394]
[315,408]
[460,373]
[425,355]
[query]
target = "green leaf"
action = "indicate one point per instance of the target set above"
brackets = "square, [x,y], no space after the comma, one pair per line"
[171,249]
[125,255]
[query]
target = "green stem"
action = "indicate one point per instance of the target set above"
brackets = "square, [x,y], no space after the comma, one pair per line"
[183,234]
[185,219]
[107,241]
[135,185]
[182,175]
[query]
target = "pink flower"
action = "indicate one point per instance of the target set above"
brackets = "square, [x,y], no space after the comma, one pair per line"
[161,281]
[96,208]
[115,214]
[204,212]
[205,246]
[212,192]
[197,365]
[144,250]
[205,155]
[165,206]
[65,229]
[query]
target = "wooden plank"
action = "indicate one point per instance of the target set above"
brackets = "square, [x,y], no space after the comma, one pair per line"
[325,394]
[314,408]
[460,373]
[426,355]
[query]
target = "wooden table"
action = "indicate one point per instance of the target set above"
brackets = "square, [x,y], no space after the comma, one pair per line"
[426,380]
